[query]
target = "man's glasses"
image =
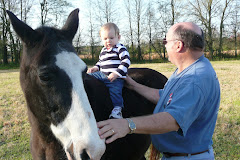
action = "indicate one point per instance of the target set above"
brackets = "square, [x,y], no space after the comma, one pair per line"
[164,41]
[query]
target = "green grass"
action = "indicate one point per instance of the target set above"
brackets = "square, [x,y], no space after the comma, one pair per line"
[15,128]
[9,66]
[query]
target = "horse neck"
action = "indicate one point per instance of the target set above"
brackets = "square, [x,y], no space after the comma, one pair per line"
[40,129]
[41,136]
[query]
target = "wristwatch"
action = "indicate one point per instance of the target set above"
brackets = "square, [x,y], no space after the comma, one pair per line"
[131,125]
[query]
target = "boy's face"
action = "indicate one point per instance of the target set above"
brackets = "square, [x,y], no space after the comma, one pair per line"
[109,37]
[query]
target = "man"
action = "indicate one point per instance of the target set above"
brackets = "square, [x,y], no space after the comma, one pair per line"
[186,109]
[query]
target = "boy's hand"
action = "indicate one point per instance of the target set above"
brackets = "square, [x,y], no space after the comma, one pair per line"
[112,77]
[93,69]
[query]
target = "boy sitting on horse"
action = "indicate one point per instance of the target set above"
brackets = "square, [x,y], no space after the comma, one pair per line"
[112,66]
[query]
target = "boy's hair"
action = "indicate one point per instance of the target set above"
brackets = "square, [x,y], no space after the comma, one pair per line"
[108,26]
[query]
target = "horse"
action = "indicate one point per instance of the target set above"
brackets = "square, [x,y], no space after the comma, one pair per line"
[64,103]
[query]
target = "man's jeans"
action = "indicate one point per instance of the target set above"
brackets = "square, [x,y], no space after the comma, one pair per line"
[203,156]
[115,88]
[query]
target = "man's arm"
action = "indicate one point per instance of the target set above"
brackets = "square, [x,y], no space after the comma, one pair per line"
[158,123]
[151,94]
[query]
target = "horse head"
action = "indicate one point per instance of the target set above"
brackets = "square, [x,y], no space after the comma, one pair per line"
[51,77]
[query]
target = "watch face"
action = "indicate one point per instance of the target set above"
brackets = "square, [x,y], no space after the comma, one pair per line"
[132,126]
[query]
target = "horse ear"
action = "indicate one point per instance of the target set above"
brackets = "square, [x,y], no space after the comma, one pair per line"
[71,25]
[26,33]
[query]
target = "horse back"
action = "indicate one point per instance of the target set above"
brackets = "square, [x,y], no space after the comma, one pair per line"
[137,105]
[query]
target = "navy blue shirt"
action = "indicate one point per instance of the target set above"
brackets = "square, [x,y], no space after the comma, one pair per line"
[192,97]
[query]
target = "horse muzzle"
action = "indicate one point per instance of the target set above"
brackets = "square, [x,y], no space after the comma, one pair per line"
[84,155]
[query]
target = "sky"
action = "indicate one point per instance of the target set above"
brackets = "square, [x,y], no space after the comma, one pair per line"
[34,19]
[34,15]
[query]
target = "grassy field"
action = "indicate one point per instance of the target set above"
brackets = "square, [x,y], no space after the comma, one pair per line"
[14,126]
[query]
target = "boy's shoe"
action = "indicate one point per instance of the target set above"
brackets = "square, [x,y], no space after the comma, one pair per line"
[116,113]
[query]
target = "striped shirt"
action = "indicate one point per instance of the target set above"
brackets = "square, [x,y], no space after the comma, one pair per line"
[115,59]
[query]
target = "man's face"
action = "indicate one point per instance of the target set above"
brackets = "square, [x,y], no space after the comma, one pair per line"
[169,44]
[109,38]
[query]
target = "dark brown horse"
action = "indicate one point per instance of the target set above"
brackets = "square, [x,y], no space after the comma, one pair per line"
[64,102]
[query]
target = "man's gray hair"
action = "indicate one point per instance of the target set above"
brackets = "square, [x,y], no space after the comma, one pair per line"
[191,39]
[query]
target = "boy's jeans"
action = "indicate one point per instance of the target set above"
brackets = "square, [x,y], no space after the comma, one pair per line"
[115,88]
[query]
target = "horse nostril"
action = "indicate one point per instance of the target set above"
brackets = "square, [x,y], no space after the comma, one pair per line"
[84,155]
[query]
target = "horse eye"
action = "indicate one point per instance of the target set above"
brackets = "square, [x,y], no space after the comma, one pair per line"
[44,77]
[46,74]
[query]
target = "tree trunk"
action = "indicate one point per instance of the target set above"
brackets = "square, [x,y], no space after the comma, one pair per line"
[173,12]
[4,33]
[138,11]
[13,47]
[150,47]
[128,8]
[235,42]
[221,28]
[220,40]
[210,31]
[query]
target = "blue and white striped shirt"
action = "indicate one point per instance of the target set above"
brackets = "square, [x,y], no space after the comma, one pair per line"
[115,59]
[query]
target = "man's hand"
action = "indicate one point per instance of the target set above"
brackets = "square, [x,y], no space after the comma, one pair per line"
[113,129]
[112,77]
[93,69]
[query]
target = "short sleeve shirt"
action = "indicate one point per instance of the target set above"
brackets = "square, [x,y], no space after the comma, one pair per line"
[192,97]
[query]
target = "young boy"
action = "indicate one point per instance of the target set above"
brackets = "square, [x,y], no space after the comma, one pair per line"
[112,66]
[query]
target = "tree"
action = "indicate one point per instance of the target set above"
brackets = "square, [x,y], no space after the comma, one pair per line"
[235,23]
[44,11]
[175,5]
[79,41]
[25,6]
[138,4]
[4,32]
[164,21]
[223,18]
[204,10]
[106,11]
[91,29]
[53,9]
[129,15]
[98,13]
[11,44]
[151,22]
[135,14]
